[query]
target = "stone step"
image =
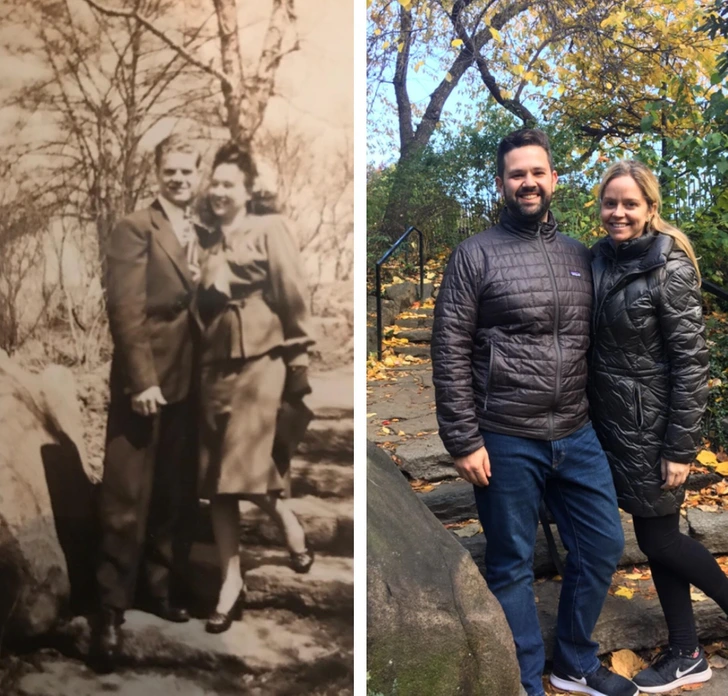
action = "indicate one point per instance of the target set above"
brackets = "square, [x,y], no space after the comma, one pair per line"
[416,350]
[327,589]
[329,439]
[329,524]
[47,673]
[633,624]
[265,642]
[332,394]
[423,321]
[416,335]
[453,501]
[321,479]
[710,528]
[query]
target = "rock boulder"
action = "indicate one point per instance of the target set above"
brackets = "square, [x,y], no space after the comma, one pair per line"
[45,500]
[433,626]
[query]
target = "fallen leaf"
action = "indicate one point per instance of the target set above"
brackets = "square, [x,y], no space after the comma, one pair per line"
[722,468]
[633,576]
[371,415]
[707,458]
[625,592]
[386,431]
[401,433]
[627,663]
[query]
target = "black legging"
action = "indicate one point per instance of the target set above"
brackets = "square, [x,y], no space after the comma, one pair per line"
[678,561]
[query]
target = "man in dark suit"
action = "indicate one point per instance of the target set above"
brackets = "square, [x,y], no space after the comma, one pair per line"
[149,480]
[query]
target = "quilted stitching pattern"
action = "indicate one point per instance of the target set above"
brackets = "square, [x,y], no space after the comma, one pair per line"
[495,358]
[649,369]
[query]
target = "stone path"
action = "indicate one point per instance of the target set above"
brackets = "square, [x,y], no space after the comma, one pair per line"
[297,632]
[401,418]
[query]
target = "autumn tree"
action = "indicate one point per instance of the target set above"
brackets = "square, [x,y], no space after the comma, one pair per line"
[598,68]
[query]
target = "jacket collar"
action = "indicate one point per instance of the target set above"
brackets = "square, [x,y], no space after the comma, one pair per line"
[517,226]
[649,250]
[167,239]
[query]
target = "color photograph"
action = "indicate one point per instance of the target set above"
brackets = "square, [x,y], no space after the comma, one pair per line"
[547,298]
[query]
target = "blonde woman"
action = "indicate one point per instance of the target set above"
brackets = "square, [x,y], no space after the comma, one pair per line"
[648,391]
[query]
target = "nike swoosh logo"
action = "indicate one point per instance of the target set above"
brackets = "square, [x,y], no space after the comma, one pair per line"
[679,673]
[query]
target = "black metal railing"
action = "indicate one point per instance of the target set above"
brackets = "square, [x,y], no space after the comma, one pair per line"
[378,279]
[714,289]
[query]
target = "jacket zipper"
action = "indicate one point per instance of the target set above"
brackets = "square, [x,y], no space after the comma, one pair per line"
[557,345]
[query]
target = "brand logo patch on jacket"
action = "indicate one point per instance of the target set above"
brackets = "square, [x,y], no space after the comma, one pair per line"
[576,274]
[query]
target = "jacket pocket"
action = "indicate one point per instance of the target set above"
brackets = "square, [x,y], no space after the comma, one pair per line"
[489,380]
[638,411]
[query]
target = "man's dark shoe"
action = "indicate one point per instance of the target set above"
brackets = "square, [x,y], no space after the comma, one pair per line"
[106,640]
[672,669]
[599,683]
[164,610]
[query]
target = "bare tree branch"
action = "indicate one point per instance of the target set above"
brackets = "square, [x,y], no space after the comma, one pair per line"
[147,24]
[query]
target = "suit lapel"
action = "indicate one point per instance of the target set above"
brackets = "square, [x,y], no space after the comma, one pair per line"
[167,239]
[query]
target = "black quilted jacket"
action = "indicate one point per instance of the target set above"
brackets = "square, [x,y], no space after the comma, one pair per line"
[510,336]
[649,367]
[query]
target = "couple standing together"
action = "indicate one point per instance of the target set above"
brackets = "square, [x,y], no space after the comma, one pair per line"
[546,358]
[210,332]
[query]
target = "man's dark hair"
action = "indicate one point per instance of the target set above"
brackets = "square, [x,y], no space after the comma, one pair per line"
[522,138]
[232,153]
[175,143]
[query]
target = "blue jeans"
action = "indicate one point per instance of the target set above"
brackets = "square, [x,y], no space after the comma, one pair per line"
[574,477]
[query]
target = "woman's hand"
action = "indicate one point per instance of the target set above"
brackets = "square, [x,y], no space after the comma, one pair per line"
[673,474]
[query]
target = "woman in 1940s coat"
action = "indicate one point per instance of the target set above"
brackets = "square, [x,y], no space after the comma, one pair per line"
[252,300]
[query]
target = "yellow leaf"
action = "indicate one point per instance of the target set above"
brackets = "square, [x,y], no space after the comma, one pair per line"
[369,415]
[529,75]
[624,592]
[518,69]
[496,35]
[633,576]
[589,204]
[626,663]
[385,45]
[377,31]
[429,275]
[386,430]
[707,458]
[455,43]
[400,433]
[448,77]
[400,46]
[405,3]
[722,468]
[419,64]
[389,361]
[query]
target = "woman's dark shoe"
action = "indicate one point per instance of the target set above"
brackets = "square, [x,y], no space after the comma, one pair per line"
[302,562]
[219,622]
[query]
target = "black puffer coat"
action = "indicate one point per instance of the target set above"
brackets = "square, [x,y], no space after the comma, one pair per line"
[510,336]
[649,366]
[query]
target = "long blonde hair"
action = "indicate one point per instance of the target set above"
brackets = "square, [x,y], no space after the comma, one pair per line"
[650,187]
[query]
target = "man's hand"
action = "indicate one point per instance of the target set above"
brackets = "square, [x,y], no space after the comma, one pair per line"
[147,403]
[674,474]
[475,468]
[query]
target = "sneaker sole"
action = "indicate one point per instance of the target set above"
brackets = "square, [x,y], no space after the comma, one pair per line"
[579,688]
[698,678]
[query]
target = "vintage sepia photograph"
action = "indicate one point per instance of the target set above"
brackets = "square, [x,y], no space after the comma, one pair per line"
[176,347]
[547,340]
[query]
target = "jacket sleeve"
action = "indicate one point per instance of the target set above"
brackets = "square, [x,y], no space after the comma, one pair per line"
[453,333]
[289,293]
[683,333]
[126,284]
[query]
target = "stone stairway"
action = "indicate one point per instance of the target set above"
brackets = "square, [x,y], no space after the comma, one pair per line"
[402,419]
[296,635]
